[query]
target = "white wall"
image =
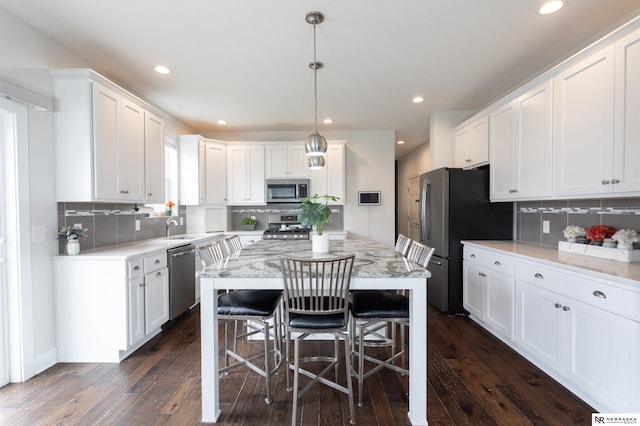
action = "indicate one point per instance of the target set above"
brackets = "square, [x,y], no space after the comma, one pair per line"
[370,166]
[414,163]
[25,62]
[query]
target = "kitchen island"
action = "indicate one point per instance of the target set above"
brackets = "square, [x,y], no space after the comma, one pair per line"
[258,267]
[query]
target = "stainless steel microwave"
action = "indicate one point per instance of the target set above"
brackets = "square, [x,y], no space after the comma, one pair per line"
[286,190]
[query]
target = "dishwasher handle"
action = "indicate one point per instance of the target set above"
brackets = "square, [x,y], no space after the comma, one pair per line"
[183,253]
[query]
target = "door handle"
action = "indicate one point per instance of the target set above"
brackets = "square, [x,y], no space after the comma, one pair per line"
[183,253]
[435,262]
[600,294]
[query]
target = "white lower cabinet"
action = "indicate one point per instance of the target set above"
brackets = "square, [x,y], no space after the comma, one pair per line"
[106,308]
[583,331]
[488,290]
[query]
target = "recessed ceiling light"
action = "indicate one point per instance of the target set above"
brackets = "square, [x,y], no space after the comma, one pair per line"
[161,69]
[551,6]
[327,121]
[400,142]
[417,99]
[222,122]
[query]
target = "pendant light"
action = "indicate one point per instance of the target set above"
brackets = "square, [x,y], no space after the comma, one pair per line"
[315,144]
[315,161]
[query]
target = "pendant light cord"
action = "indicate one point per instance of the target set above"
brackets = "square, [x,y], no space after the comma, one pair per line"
[315,82]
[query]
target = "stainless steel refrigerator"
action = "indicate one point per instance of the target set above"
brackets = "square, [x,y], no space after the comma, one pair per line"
[455,206]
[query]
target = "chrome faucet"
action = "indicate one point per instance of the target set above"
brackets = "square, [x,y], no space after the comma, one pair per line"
[171,221]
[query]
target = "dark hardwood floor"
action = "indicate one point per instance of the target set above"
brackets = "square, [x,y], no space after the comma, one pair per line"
[473,379]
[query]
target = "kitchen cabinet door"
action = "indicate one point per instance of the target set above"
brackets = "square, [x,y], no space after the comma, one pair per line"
[474,288]
[520,145]
[215,176]
[627,125]
[603,361]
[331,178]
[135,315]
[156,299]
[540,330]
[472,143]
[245,174]
[285,161]
[583,136]
[131,153]
[154,157]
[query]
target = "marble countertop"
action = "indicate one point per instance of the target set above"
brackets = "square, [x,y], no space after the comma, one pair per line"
[628,273]
[262,260]
[138,248]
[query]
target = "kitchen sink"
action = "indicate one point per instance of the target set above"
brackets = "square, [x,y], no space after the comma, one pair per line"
[185,237]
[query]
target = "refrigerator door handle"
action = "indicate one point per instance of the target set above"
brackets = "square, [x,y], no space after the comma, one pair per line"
[435,262]
[424,229]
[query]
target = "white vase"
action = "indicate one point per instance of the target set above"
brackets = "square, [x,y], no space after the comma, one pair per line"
[571,240]
[608,242]
[625,246]
[73,247]
[320,243]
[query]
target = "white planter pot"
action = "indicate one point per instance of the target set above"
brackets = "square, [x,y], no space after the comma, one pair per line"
[320,243]
[73,247]
[625,246]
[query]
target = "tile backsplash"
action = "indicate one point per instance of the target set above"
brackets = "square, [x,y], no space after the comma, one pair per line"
[618,213]
[113,223]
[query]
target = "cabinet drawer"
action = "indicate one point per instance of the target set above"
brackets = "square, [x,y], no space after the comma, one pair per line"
[491,260]
[151,263]
[605,296]
[540,276]
[134,268]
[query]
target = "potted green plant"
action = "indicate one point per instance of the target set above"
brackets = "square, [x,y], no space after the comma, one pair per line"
[72,235]
[316,214]
[249,223]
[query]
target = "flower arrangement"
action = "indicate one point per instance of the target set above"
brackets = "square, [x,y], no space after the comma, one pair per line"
[573,231]
[626,236]
[71,233]
[167,207]
[599,232]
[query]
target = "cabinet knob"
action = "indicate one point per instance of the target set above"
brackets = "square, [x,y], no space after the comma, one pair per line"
[136,268]
[566,308]
[473,256]
[482,274]
[141,284]
[558,305]
[158,274]
[539,276]
[150,194]
[600,294]
[157,261]
[124,191]
[615,181]
[497,263]
[605,182]
[467,160]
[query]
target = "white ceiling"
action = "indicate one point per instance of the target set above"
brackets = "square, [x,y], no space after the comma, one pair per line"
[246,61]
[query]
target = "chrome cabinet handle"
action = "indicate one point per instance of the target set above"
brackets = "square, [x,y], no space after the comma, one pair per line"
[157,261]
[539,276]
[482,274]
[497,263]
[124,191]
[566,308]
[600,294]
[615,181]
[605,182]
[136,268]
[473,256]
[558,305]
[158,274]
[141,284]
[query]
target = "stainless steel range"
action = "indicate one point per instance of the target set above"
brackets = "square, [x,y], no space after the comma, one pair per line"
[285,227]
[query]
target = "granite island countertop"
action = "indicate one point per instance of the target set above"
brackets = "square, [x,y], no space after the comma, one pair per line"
[627,273]
[262,260]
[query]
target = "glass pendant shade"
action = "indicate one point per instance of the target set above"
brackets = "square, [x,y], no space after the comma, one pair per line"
[315,162]
[315,145]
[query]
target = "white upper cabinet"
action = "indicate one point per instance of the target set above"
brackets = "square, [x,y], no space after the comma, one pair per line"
[285,161]
[154,157]
[626,154]
[472,142]
[102,141]
[521,147]
[330,179]
[598,127]
[245,174]
[203,171]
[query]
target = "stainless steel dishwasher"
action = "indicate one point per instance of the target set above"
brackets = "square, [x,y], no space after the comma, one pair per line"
[182,279]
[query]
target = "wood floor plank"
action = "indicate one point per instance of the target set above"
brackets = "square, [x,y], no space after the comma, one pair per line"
[473,378]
